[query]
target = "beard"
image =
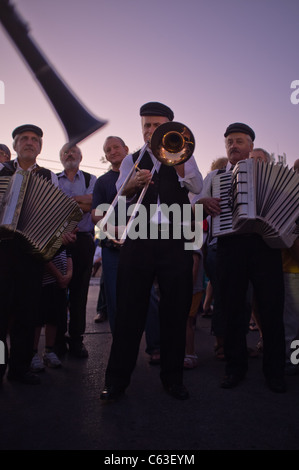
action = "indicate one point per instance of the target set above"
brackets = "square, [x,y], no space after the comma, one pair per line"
[70,165]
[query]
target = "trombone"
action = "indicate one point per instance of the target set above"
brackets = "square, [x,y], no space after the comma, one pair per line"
[172,143]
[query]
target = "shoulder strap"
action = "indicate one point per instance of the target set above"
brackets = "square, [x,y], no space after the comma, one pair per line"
[9,169]
[87,177]
[45,173]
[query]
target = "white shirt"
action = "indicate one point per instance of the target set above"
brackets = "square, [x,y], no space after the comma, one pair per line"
[192,180]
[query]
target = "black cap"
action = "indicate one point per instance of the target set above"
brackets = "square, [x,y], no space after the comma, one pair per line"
[5,149]
[26,128]
[240,127]
[153,108]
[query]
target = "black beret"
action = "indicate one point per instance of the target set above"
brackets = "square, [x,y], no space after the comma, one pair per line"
[5,149]
[240,127]
[154,108]
[26,128]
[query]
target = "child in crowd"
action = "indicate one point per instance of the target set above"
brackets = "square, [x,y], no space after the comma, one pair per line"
[53,308]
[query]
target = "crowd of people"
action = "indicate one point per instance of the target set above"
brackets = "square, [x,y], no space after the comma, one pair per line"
[150,284]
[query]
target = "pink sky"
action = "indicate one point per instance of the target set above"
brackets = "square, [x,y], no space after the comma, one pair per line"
[213,62]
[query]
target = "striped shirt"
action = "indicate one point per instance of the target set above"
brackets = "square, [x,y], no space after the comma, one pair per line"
[60,262]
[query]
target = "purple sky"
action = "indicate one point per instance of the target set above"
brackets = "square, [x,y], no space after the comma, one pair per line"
[213,62]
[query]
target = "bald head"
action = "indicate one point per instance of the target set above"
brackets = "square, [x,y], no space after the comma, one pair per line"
[296,166]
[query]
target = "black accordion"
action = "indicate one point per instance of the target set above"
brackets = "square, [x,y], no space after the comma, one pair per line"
[36,212]
[261,198]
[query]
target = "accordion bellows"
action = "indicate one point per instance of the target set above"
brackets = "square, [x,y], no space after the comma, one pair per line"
[261,198]
[36,212]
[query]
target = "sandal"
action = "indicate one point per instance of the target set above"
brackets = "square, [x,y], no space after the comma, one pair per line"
[190,361]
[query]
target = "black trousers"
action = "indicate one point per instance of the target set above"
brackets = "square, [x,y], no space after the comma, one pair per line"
[240,259]
[82,256]
[140,262]
[20,289]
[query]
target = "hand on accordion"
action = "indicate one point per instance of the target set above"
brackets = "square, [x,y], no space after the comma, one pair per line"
[211,205]
[70,237]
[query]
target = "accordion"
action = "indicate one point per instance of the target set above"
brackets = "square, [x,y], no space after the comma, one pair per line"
[36,212]
[258,197]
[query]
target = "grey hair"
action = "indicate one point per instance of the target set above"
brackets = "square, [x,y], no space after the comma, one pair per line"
[267,154]
[114,137]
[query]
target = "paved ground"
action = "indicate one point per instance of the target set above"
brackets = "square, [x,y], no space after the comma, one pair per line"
[65,413]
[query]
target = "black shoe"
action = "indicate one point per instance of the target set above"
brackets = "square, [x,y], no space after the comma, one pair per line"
[231,380]
[100,317]
[177,391]
[276,385]
[77,349]
[28,378]
[111,393]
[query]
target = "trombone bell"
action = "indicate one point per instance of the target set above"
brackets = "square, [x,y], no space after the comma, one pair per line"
[172,143]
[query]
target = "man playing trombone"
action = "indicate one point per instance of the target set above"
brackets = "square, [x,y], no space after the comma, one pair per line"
[144,259]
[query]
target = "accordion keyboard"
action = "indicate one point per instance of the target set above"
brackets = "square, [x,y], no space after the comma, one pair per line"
[4,182]
[222,189]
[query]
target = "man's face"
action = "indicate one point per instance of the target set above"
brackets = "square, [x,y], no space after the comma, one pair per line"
[115,151]
[149,125]
[70,157]
[238,146]
[28,145]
